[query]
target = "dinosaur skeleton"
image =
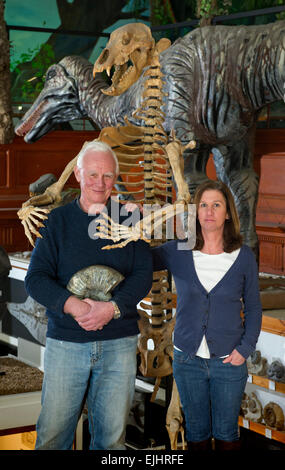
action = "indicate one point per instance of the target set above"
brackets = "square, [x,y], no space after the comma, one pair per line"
[157,325]
[132,42]
[174,419]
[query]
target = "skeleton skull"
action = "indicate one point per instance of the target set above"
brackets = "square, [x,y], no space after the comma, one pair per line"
[132,42]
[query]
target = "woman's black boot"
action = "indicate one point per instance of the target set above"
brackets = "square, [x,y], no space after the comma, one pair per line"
[200,445]
[227,445]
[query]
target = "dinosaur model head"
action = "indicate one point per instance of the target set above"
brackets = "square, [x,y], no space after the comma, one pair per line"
[132,42]
[57,102]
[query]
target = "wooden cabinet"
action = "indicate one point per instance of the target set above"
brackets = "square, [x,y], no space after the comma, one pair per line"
[270,213]
[269,164]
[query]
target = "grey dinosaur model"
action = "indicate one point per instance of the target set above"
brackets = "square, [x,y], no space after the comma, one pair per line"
[217,79]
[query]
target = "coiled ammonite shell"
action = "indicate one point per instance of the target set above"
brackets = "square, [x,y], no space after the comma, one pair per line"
[94,282]
[276,371]
[273,416]
[251,407]
[256,364]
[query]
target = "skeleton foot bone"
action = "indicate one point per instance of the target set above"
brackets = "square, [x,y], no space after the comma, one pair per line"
[29,218]
[143,230]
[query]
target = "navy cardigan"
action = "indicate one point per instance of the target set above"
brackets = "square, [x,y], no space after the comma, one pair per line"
[216,314]
[67,246]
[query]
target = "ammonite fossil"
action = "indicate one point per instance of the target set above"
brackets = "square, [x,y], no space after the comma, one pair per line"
[251,407]
[273,416]
[257,364]
[276,371]
[94,282]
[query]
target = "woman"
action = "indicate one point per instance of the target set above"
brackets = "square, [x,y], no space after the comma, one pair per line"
[215,282]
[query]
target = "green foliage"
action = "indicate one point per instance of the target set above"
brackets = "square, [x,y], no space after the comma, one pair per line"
[209,8]
[40,59]
[161,12]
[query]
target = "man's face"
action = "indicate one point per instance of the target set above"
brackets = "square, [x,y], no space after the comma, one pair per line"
[97,177]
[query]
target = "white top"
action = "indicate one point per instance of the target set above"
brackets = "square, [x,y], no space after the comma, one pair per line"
[210,270]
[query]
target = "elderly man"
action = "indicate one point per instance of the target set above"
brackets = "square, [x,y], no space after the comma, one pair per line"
[91,345]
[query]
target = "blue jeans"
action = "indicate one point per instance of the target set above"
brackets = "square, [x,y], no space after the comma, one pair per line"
[211,393]
[104,373]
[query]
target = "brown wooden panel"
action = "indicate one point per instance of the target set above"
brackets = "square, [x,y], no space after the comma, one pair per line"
[271,209]
[12,236]
[271,260]
[30,166]
[271,200]
[272,176]
[271,249]
[3,168]
[25,163]
[269,141]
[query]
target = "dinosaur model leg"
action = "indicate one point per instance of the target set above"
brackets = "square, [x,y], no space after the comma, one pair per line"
[234,167]
[195,162]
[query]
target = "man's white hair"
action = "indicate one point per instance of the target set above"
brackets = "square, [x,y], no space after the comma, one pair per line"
[97,146]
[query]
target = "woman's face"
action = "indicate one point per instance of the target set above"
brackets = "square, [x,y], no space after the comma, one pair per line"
[212,211]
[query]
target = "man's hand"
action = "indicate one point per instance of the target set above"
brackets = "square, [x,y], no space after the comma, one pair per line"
[99,315]
[76,307]
[235,358]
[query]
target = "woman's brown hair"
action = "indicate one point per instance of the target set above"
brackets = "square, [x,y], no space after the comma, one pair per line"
[232,236]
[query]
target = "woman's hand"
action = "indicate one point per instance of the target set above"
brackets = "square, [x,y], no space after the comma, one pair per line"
[235,358]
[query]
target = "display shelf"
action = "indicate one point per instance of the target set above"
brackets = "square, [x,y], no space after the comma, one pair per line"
[273,321]
[262,429]
[264,382]
[19,410]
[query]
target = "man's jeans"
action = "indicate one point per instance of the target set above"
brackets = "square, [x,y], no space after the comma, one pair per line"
[211,393]
[107,371]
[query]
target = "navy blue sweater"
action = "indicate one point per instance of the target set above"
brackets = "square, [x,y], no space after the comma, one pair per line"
[65,248]
[215,314]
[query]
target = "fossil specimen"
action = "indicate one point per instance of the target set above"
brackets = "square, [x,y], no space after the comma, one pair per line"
[276,371]
[257,364]
[251,407]
[94,282]
[273,416]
